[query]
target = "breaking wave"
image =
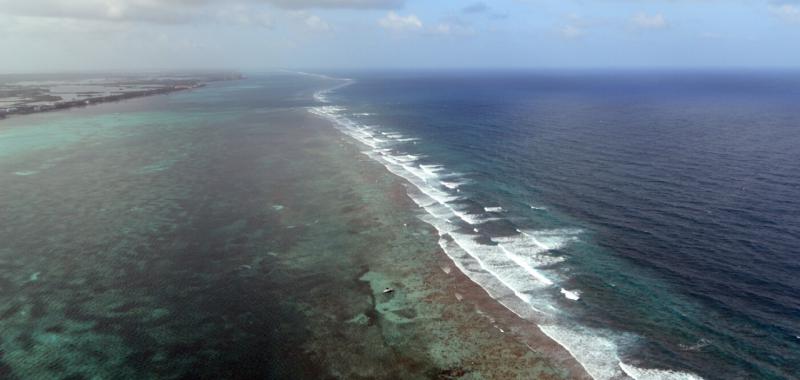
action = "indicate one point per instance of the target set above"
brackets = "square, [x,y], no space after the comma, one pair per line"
[518,269]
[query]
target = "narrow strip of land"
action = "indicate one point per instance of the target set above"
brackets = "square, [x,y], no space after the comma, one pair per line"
[21,95]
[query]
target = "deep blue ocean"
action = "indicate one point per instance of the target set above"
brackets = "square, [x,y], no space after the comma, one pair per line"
[647,221]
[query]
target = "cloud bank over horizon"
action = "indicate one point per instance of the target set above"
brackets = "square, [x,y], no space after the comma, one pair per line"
[58,35]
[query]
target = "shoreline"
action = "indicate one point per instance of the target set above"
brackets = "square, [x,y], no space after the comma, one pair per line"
[586,348]
[29,110]
[461,290]
[171,87]
[515,326]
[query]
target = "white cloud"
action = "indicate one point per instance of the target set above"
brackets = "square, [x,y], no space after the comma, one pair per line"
[168,11]
[786,12]
[317,24]
[153,11]
[574,27]
[310,21]
[350,4]
[571,32]
[243,16]
[452,29]
[52,29]
[262,19]
[395,22]
[644,21]
[442,28]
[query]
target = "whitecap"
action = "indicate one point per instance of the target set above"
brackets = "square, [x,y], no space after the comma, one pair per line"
[597,353]
[451,185]
[656,374]
[573,295]
[508,271]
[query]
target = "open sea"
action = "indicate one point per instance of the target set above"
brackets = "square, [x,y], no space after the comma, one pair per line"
[649,222]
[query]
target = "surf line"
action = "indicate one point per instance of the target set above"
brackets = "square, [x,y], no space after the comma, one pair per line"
[594,349]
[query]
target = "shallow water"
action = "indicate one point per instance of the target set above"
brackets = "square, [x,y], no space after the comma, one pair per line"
[226,233]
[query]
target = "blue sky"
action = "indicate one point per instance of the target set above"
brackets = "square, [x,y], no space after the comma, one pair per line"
[56,35]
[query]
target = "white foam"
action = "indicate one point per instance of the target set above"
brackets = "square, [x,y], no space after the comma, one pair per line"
[315,75]
[433,169]
[436,194]
[420,198]
[439,210]
[469,218]
[491,284]
[531,248]
[420,173]
[550,239]
[509,271]
[451,185]
[513,270]
[407,158]
[656,374]
[321,96]
[573,295]
[526,265]
[443,227]
[521,282]
[598,355]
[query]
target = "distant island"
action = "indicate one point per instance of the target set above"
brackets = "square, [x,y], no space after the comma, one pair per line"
[24,94]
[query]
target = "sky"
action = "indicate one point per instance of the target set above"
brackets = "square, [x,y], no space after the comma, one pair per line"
[255,35]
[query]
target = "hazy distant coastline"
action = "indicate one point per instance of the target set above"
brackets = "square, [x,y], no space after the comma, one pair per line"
[26,94]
